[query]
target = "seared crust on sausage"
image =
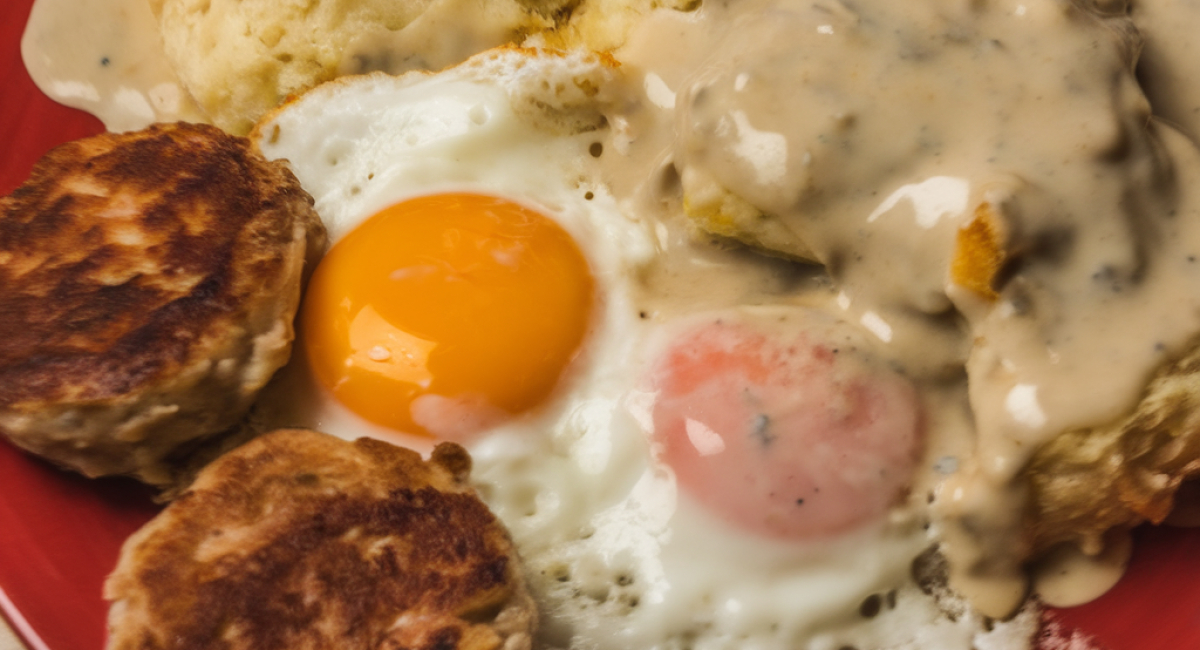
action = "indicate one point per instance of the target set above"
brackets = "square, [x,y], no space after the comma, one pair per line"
[150,281]
[300,540]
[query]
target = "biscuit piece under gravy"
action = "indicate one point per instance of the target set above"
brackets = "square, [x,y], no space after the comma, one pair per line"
[241,58]
[149,283]
[301,540]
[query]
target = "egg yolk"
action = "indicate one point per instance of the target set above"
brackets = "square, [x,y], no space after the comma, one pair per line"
[782,433]
[446,314]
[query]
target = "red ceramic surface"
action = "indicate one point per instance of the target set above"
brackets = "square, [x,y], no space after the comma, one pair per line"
[60,533]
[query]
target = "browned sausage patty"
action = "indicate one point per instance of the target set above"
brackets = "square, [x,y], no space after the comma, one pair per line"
[299,540]
[149,281]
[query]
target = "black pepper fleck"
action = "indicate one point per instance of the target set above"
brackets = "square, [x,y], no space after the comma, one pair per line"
[870,606]
[762,430]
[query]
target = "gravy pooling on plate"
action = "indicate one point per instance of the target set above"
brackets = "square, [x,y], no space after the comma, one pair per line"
[105,57]
[866,137]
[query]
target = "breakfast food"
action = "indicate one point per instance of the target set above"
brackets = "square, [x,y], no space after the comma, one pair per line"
[603,25]
[1013,242]
[631,540]
[239,59]
[1165,69]
[301,540]
[962,371]
[150,281]
[1080,489]
[230,62]
[478,274]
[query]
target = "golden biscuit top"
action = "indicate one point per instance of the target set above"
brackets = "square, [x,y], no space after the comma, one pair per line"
[123,255]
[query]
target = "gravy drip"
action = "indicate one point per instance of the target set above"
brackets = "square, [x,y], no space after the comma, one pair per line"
[873,132]
[1169,66]
[105,57]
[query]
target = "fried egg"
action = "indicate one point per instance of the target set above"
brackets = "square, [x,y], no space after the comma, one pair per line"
[717,478]
[478,270]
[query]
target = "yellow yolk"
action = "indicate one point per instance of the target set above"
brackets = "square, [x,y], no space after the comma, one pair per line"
[447,314]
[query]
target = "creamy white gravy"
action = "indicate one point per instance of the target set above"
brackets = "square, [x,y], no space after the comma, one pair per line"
[870,132]
[105,57]
[1169,66]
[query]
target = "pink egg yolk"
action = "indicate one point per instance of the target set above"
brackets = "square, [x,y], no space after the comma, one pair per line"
[781,431]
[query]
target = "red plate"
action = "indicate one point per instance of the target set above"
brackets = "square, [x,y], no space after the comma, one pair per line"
[60,533]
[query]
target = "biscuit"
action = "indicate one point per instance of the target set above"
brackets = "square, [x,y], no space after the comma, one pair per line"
[240,58]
